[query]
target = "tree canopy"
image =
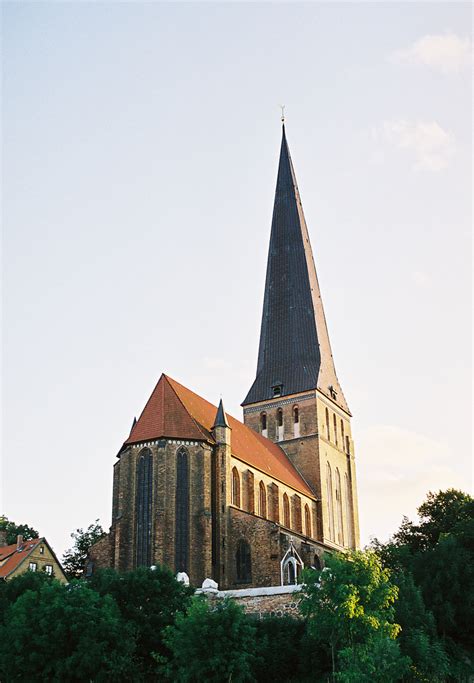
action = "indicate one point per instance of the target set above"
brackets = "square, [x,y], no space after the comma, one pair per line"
[74,559]
[14,530]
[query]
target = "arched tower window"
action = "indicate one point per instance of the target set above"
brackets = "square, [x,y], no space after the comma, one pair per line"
[144,499]
[280,424]
[335,427]
[330,501]
[340,526]
[286,511]
[307,520]
[243,562]
[182,511]
[263,424]
[235,487]
[342,433]
[328,428]
[262,500]
[348,498]
[348,445]
[296,422]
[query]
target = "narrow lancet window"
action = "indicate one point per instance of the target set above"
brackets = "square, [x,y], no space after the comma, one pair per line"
[235,487]
[296,422]
[348,499]
[286,511]
[144,498]
[182,512]
[328,428]
[307,521]
[280,424]
[243,562]
[342,434]
[340,526]
[263,424]
[262,500]
[335,428]
[330,502]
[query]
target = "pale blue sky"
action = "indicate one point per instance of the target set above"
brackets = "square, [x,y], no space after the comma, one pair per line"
[140,149]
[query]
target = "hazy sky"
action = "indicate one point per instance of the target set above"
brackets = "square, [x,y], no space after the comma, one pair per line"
[140,150]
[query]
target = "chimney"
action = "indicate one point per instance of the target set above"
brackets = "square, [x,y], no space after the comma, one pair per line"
[19,541]
[3,538]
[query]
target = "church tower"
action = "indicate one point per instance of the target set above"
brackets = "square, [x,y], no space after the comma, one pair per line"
[296,399]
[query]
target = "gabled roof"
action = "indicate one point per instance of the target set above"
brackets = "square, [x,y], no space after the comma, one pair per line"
[173,411]
[294,351]
[11,556]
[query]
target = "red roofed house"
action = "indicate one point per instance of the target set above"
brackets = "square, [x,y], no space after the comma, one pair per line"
[34,556]
[246,504]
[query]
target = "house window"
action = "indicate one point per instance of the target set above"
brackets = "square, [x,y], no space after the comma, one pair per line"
[33,566]
[144,507]
[49,569]
[243,562]
[262,500]
[328,428]
[286,511]
[235,487]
[307,520]
[263,424]
[42,550]
[296,422]
[280,424]
[182,511]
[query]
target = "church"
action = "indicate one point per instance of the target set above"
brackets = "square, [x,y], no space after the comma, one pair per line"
[249,503]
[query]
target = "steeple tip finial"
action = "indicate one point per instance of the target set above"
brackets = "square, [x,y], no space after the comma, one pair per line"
[282,107]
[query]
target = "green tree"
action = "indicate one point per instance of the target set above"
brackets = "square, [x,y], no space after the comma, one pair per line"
[378,660]
[74,559]
[349,605]
[148,599]
[211,643]
[65,633]
[14,530]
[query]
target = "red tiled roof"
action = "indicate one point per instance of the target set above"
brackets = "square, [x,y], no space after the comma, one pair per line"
[15,556]
[174,411]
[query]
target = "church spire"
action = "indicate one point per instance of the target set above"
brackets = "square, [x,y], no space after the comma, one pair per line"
[294,353]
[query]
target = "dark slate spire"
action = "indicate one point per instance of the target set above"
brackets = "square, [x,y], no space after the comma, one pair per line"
[221,419]
[294,353]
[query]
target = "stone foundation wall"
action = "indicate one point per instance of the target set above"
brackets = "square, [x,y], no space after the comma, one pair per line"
[261,602]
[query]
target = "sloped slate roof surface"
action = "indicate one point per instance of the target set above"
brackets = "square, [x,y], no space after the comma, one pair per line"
[13,556]
[174,411]
[294,349]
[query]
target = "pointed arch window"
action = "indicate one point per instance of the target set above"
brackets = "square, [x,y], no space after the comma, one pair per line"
[307,521]
[347,499]
[263,424]
[262,500]
[340,526]
[296,422]
[235,487]
[280,424]
[182,511]
[144,498]
[335,427]
[328,428]
[330,503]
[286,511]
[348,446]
[243,562]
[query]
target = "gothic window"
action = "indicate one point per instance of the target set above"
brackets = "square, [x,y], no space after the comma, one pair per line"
[182,511]
[262,500]
[340,528]
[144,499]
[296,421]
[350,537]
[307,520]
[263,424]
[280,424]
[328,428]
[348,446]
[335,427]
[330,502]
[243,562]
[235,487]
[316,562]
[297,521]
[286,511]
[342,433]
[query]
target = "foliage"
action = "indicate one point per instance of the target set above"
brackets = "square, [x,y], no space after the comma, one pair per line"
[279,642]
[64,633]
[349,604]
[14,530]
[378,660]
[74,559]
[211,643]
[148,600]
